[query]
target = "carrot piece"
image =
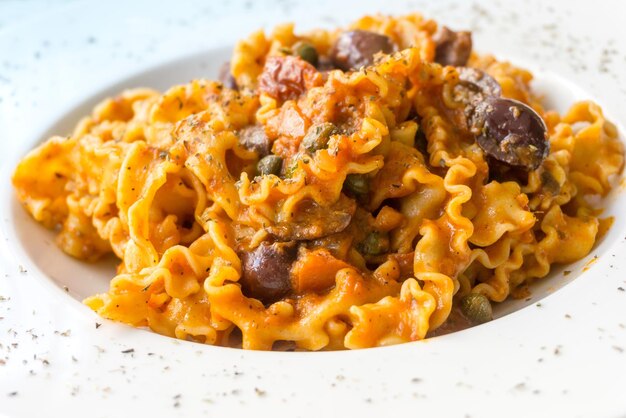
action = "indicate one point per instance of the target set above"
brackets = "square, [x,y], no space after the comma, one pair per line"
[405,263]
[388,219]
[315,271]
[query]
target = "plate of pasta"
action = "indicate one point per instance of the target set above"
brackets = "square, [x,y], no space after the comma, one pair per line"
[384,209]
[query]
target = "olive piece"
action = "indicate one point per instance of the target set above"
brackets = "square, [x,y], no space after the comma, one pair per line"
[356,48]
[478,82]
[254,138]
[474,86]
[452,48]
[477,308]
[510,132]
[270,164]
[226,77]
[266,271]
[374,243]
[306,51]
[357,184]
[317,137]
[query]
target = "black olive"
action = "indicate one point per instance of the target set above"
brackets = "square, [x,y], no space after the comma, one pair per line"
[266,271]
[510,132]
[254,138]
[452,48]
[357,184]
[356,48]
[477,83]
[477,308]
[317,137]
[474,86]
[226,77]
[307,52]
[270,164]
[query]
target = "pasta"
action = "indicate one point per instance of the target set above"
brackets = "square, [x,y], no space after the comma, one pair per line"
[330,192]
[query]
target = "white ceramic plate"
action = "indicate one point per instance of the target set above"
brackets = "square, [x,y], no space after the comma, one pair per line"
[563,356]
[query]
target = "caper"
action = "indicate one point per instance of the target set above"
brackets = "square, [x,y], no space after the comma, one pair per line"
[477,308]
[270,164]
[317,137]
[357,184]
[375,243]
[306,51]
[550,184]
[290,169]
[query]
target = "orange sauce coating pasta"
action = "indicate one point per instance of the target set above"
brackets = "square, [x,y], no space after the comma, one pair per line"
[370,239]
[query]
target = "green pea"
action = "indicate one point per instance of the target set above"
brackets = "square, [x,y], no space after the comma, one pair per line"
[375,243]
[270,164]
[317,137]
[357,184]
[307,52]
[477,308]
